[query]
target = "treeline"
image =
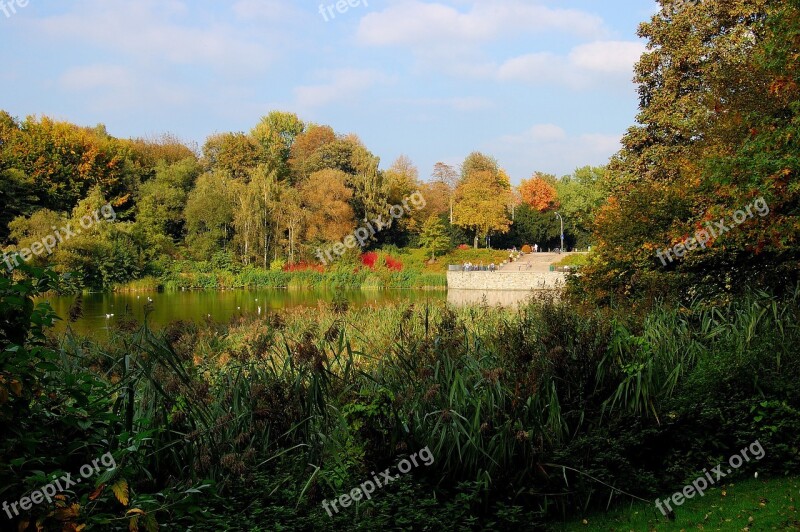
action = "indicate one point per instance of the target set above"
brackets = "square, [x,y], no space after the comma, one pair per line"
[262,199]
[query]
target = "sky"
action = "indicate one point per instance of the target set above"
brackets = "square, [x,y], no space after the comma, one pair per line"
[540,85]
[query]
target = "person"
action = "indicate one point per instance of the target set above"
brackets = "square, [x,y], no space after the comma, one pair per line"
[536,248]
[491,267]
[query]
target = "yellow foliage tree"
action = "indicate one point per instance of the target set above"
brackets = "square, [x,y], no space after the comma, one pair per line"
[482,200]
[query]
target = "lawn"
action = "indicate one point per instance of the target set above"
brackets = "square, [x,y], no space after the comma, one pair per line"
[752,504]
[419,258]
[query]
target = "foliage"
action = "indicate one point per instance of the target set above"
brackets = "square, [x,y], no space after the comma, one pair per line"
[538,194]
[433,237]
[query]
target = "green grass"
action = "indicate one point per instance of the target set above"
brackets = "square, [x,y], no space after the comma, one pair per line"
[418,258]
[579,259]
[770,503]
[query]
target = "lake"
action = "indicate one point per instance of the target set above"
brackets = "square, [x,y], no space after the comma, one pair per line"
[221,306]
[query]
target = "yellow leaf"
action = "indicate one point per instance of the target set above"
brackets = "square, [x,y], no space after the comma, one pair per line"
[137,511]
[120,489]
[16,387]
[133,524]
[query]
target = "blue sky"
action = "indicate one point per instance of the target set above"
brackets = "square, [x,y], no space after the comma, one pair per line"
[540,85]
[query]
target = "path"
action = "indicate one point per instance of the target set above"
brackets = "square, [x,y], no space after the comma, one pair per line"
[534,262]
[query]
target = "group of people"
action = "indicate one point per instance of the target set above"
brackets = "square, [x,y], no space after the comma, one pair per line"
[469,267]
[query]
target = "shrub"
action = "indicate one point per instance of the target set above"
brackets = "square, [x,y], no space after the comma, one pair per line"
[526,248]
[369,259]
[393,264]
[277,265]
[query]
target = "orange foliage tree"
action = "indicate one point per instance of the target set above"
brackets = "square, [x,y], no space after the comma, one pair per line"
[538,194]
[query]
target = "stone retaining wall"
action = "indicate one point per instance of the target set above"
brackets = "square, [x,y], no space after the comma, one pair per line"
[505,280]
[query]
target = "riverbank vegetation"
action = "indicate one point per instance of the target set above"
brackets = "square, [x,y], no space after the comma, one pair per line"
[531,414]
[642,376]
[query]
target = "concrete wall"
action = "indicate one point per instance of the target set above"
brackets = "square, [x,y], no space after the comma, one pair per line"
[505,280]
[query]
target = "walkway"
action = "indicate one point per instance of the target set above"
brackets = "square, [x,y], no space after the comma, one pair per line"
[534,262]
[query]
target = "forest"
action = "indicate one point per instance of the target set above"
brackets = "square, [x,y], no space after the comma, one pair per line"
[264,200]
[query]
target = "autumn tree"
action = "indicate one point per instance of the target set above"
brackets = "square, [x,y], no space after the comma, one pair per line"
[305,145]
[718,80]
[481,204]
[537,193]
[326,197]
[447,177]
[233,154]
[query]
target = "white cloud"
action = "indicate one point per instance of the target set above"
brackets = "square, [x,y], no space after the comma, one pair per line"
[614,57]
[145,31]
[344,84]
[586,65]
[421,24]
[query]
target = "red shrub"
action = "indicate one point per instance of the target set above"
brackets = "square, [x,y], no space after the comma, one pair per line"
[394,264]
[369,259]
[463,247]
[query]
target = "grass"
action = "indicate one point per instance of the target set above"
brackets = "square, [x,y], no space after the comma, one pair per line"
[752,504]
[578,259]
[418,258]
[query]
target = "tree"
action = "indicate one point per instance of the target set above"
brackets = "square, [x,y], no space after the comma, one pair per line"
[233,154]
[434,237]
[481,204]
[209,215]
[708,96]
[305,145]
[16,198]
[447,176]
[538,194]
[161,202]
[277,132]
[325,197]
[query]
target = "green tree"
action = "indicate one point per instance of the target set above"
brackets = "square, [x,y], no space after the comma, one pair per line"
[434,237]
[209,215]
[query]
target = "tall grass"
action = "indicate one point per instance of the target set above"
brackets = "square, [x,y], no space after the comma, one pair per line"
[511,401]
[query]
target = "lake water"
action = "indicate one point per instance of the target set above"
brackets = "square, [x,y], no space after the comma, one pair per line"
[221,306]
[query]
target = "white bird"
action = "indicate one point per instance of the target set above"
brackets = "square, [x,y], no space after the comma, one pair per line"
[149,299]
[256,299]
[259,310]
[238,308]
[109,316]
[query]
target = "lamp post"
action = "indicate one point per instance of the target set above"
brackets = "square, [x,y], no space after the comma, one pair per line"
[562,231]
